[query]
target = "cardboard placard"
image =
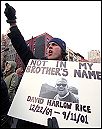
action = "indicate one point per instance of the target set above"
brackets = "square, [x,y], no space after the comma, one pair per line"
[38,98]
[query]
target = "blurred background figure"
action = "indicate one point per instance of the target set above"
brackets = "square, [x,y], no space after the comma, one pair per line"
[20,73]
[11,78]
[5,104]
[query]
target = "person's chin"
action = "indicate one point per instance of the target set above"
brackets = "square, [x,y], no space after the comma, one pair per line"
[50,57]
[61,93]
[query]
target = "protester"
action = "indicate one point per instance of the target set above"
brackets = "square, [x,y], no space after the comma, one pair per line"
[63,93]
[20,73]
[5,104]
[11,78]
[56,49]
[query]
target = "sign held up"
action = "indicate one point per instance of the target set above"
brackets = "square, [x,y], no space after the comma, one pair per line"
[40,89]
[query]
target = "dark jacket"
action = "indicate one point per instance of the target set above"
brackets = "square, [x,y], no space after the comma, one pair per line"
[69,98]
[4,105]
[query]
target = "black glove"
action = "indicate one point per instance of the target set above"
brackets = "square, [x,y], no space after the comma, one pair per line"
[10,13]
[52,123]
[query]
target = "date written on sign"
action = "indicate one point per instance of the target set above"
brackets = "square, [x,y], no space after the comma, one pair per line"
[75,117]
[43,110]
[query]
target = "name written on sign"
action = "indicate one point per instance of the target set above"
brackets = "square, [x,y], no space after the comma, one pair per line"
[40,67]
[87,72]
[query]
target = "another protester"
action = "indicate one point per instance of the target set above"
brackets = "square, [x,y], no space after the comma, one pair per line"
[11,78]
[20,73]
[5,104]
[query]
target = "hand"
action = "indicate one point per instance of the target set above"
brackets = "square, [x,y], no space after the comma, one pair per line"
[10,13]
[52,123]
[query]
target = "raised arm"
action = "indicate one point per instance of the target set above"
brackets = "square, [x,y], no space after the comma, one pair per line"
[16,37]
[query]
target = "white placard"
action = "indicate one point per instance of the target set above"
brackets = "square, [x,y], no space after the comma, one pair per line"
[35,97]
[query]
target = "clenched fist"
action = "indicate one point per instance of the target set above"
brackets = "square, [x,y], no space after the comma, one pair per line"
[10,13]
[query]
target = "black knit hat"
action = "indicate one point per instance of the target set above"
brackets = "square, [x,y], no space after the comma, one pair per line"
[60,42]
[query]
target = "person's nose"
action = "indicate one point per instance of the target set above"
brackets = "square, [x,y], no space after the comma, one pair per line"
[50,45]
[60,86]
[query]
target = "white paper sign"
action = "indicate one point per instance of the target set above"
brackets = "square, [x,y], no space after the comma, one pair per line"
[69,91]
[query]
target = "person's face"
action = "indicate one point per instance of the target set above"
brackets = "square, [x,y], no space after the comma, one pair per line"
[62,88]
[19,71]
[54,51]
[7,67]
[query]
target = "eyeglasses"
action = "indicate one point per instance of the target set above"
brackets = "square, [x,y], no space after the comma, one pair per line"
[64,85]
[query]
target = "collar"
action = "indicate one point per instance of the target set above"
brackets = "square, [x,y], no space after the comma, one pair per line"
[63,96]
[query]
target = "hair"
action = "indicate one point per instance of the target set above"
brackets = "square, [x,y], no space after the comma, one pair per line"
[64,55]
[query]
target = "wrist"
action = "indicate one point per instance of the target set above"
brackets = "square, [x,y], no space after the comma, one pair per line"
[11,21]
[12,24]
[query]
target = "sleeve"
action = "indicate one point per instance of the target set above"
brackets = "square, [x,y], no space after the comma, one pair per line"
[5,104]
[13,85]
[20,45]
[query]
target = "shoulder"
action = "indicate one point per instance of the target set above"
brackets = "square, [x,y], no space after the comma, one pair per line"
[14,76]
[56,97]
[73,97]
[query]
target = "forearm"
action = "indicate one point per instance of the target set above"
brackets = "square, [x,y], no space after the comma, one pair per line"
[13,24]
[19,44]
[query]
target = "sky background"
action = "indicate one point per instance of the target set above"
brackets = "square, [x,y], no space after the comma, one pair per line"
[78,23]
